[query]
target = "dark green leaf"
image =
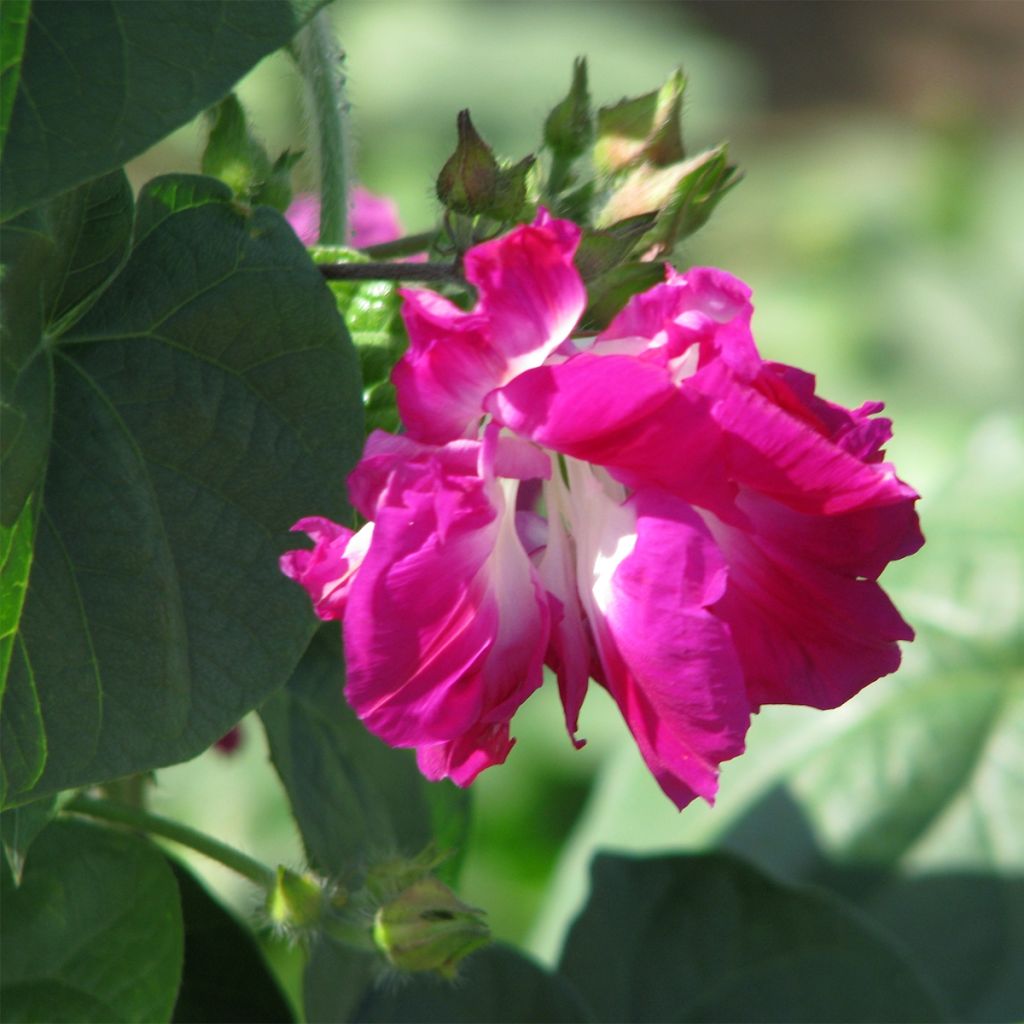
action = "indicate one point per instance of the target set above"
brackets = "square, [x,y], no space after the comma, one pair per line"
[495,986]
[101,82]
[354,798]
[914,811]
[906,801]
[13,26]
[225,977]
[202,405]
[24,743]
[57,261]
[20,826]
[711,939]
[335,981]
[93,933]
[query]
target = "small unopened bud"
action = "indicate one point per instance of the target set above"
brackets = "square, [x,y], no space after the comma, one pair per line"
[296,902]
[427,928]
[469,180]
[569,127]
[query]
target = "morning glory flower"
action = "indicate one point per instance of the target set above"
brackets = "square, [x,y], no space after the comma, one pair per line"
[656,509]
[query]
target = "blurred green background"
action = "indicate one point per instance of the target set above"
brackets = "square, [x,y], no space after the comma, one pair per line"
[881,227]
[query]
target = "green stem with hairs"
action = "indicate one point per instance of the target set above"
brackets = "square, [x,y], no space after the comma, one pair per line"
[320,63]
[144,821]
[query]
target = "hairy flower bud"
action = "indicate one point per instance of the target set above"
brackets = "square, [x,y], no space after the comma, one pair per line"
[296,901]
[468,181]
[428,928]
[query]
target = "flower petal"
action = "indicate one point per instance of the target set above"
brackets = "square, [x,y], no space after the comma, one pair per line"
[648,574]
[462,760]
[328,570]
[447,625]
[530,299]
[806,633]
[624,413]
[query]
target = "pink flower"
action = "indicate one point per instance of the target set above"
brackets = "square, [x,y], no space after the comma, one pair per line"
[656,509]
[373,219]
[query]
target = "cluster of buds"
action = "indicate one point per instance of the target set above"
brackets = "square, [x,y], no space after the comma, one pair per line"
[622,174]
[402,912]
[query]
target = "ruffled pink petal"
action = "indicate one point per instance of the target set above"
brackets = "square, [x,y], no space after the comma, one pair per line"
[448,368]
[462,760]
[529,289]
[530,299]
[704,306]
[327,571]
[570,653]
[512,457]
[623,413]
[446,625]
[648,572]
[785,451]
[806,633]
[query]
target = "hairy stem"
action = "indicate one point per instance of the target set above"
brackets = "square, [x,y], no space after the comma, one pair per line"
[144,821]
[320,62]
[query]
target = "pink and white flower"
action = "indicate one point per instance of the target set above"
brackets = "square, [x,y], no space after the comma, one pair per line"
[656,509]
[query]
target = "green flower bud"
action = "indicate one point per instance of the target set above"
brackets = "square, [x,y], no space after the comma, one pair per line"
[296,901]
[427,928]
[569,126]
[469,180]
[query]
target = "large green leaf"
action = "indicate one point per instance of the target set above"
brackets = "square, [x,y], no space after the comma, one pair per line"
[93,933]
[57,260]
[100,82]
[906,802]
[205,402]
[19,828]
[711,939]
[225,977]
[13,26]
[335,981]
[354,798]
[495,986]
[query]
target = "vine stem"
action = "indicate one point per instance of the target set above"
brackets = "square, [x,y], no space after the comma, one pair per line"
[320,63]
[144,821]
[388,272]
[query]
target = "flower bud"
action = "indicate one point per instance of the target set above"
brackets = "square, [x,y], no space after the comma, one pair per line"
[644,130]
[427,928]
[468,181]
[296,901]
[569,126]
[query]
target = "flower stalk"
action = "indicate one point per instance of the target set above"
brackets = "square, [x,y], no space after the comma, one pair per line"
[153,824]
